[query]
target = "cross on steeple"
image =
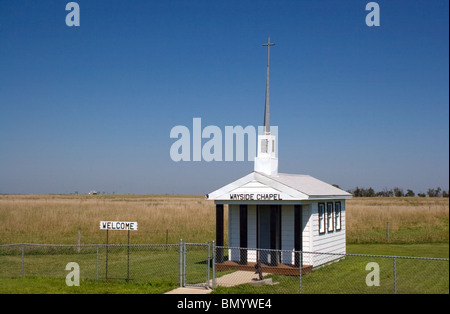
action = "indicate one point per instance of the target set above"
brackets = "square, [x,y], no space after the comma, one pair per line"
[267,106]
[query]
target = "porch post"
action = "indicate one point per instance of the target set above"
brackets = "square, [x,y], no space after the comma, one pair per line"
[219,233]
[243,237]
[298,237]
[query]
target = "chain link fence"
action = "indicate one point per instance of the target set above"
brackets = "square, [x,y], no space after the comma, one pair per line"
[134,262]
[231,269]
[328,273]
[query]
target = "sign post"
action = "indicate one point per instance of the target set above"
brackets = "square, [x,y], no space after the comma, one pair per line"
[118,225]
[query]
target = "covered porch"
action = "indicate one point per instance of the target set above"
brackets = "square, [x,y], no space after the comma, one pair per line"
[280,269]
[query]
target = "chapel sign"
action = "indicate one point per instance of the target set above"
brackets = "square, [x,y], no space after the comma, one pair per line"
[255,197]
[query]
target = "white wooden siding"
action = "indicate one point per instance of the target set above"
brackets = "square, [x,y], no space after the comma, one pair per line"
[307,234]
[328,242]
[306,227]
[287,234]
[287,227]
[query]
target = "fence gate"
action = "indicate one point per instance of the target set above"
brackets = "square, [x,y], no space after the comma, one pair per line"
[196,262]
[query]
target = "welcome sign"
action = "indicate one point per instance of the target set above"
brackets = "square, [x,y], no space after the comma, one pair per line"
[119,225]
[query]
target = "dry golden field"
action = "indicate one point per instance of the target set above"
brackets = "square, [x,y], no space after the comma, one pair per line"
[56,219]
[411,220]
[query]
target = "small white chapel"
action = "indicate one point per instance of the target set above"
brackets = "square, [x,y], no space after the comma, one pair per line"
[268,210]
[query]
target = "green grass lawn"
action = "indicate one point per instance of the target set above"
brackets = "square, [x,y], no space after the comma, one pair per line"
[39,285]
[440,250]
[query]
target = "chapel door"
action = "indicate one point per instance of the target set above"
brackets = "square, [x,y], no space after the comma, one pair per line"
[269,233]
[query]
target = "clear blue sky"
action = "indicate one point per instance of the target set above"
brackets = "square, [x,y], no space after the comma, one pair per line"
[91,107]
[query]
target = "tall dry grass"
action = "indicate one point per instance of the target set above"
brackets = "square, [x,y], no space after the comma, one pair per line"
[404,220]
[57,219]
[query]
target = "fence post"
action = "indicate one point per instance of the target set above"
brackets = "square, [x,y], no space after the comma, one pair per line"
[181,263]
[106,263]
[387,231]
[213,265]
[301,269]
[207,263]
[184,263]
[97,260]
[79,240]
[167,238]
[23,261]
[395,275]
[128,257]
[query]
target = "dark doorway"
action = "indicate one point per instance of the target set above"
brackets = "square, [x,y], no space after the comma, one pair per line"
[269,233]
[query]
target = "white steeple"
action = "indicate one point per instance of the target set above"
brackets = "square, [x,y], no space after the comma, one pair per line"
[266,160]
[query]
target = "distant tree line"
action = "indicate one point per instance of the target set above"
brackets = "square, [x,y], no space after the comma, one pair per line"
[397,192]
